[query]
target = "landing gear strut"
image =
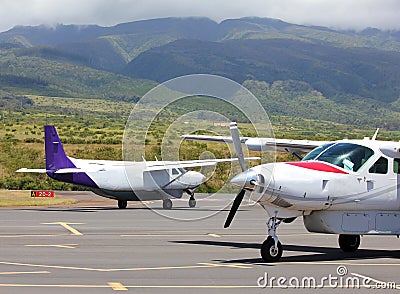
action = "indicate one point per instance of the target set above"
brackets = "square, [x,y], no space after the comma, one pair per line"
[271,249]
[349,243]
[167,204]
[122,204]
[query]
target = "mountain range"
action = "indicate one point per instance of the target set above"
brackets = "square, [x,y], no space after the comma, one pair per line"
[125,60]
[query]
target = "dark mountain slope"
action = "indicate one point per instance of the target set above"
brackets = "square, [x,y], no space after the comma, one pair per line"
[330,70]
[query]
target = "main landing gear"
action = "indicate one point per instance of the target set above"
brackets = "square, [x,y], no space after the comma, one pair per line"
[167,204]
[271,249]
[122,204]
[349,243]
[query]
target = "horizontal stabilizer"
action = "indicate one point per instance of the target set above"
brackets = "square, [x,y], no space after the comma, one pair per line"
[32,170]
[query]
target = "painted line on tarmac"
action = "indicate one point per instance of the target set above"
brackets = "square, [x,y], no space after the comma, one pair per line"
[134,286]
[126,287]
[215,235]
[377,282]
[24,273]
[334,263]
[38,235]
[67,226]
[69,246]
[198,265]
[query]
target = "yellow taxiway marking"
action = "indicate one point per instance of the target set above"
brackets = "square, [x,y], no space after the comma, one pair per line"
[117,286]
[199,265]
[23,273]
[69,246]
[67,226]
[214,235]
[225,265]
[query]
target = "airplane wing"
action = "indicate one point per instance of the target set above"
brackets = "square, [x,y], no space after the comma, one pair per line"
[258,144]
[59,171]
[162,165]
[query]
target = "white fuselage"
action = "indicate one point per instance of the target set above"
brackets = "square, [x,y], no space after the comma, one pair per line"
[344,191]
[136,181]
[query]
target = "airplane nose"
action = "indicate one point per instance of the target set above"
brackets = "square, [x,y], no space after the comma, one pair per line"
[246,179]
[198,178]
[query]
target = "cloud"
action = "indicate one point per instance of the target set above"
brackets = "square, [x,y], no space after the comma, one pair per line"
[355,14]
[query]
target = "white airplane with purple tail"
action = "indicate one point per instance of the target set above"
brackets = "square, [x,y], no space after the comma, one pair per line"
[124,180]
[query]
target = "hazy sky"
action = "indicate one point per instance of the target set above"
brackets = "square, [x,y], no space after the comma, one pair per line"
[353,14]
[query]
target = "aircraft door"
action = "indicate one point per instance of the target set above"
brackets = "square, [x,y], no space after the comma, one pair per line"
[396,171]
[381,183]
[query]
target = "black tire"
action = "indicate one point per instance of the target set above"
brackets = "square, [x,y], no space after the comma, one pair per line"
[349,243]
[122,204]
[192,203]
[167,204]
[268,251]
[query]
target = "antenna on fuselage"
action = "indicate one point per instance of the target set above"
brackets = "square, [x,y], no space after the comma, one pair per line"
[375,135]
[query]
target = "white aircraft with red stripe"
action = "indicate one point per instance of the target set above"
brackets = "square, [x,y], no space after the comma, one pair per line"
[345,187]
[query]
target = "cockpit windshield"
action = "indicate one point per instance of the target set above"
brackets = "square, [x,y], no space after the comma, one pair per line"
[345,155]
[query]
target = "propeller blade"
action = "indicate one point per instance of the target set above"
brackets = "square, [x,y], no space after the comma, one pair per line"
[234,208]
[238,145]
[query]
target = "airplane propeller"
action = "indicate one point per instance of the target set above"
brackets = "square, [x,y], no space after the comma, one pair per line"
[239,153]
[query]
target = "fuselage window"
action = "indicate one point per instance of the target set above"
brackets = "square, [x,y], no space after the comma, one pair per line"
[380,166]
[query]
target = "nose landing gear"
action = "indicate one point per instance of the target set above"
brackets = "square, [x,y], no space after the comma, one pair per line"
[271,249]
[192,200]
[122,204]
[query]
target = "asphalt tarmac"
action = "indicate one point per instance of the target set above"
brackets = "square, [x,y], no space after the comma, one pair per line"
[94,247]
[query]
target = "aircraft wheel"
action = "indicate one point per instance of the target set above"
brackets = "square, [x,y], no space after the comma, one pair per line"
[269,252]
[167,204]
[349,243]
[192,203]
[122,204]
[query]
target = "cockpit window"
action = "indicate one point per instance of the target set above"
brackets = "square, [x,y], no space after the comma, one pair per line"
[175,171]
[315,152]
[182,170]
[346,155]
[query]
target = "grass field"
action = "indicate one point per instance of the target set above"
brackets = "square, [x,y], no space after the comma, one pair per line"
[10,198]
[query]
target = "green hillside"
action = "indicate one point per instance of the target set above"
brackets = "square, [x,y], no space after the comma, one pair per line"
[22,73]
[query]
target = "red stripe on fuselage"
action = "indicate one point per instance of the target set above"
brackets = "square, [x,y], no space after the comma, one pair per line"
[319,166]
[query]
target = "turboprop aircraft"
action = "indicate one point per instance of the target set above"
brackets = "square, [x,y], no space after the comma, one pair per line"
[149,180]
[345,187]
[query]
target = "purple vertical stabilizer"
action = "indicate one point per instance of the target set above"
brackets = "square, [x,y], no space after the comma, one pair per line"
[55,154]
[56,159]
